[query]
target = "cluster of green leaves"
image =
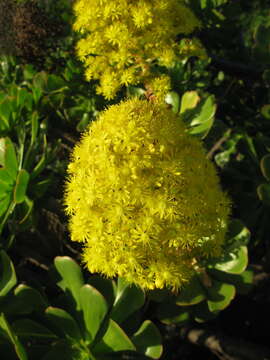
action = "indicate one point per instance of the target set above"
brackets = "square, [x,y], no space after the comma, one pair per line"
[85,323]
[35,106]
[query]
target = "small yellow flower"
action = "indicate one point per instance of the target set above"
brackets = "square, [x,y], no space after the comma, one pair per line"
[143,198]
[123,34]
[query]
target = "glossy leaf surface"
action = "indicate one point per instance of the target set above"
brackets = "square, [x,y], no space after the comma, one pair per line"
[64,321]
[114,340]
[94,308]
[128,299]
[148,340]
[220,295]
[72,278]
[8,277]
[21,186]
[191,294]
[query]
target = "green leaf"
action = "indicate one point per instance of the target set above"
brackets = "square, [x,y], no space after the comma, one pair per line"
[189,101]
[5,178]
[72,278]
[192,293]
[65,322]
[66,350]
[34,127]
[5,114]
[243,282]
[202,123]
[2,151]
[39,167]
[39,85]
[238,234]
[39,188]
[25,301]
[172,98]
[105,286]
[5,202]
[28,72]
[265,111]
[234,261]
[82,125]
[20,351]
[169,313]
[28,204]
[10,159]
[94,308]
[129,298]
[21,186]
[263,192]
[220,295]
[40,80]
[4,189]
[8,277]
[114,340]
[148,340]
[24,98]
[265,166]
[29,328]
[56,83]
[202,313]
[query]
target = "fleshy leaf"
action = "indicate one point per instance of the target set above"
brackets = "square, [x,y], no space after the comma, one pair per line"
[238,233]
[5,178]
[64,321]
[72,278]
[8,277]
[20,351]
[202,123]
[94,308]
[4,203]
[220,295]
[243,282]
[234,261]
[189,101]
[5,113]
[26,300]
[64,349]
[265,166]
[105,286]
[129,298]
[191,294]
[263,192]
[11,164]
[169,313]
[148,340]
[202,313]
[172,98]
[21,186]
[2,151]
[265,111]
[114,340]
[29,328]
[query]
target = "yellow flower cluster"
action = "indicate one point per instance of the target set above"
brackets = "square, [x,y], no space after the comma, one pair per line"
[143,198]
[122,39]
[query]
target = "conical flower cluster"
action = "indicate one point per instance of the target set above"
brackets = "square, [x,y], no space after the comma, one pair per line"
[143,198]
[123,39]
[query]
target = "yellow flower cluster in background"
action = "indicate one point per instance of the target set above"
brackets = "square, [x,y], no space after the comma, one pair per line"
[143,198]
[123,38]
